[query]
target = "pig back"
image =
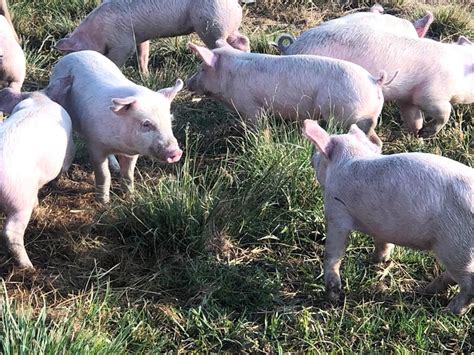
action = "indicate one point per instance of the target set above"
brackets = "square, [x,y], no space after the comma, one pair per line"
[96,79]
[220,16]
[418,61]
[152,18]
[33,145]
[376,22]
[404,198]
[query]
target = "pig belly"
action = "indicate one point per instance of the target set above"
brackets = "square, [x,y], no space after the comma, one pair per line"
[398,233]
[297,107]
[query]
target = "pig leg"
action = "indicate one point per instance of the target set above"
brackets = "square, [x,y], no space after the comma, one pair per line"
[143,53]
[412,116]
[120,54]
[440,113]
[70,152]
[367,125]
[336,240]
[210,33]
[114,165]
[382,251]
[249,110]
[16,85]
[239,41]
[461,302]
[102,175]
[127,167]
[439,285]
[13,234]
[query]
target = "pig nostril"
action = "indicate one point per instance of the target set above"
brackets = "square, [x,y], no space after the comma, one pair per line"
[174,156]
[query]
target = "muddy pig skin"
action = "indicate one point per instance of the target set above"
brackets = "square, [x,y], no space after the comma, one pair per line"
[116,116]
[294,87]
[422,201]
[432,75]
[116,26]
[35,147]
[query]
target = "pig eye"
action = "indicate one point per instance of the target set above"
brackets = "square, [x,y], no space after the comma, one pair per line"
[147,125]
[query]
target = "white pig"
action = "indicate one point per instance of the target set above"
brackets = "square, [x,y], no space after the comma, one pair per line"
[419,200]
[432,76]
[6,13]
[386,23]
[115,27]
[12,58]
[374,20]
[116,116]
[35,146]
[292,86]
[143,54]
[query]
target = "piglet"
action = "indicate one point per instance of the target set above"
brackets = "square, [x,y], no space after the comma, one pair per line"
[4,11]
[432,75]
[12,58]
[116,116]
[116,26]
[374,20]
[36,145]
[294,87]
[418,200]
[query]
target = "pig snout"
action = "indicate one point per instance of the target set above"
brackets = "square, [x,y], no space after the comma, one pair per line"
[173,154]
[168,152]
[191,83]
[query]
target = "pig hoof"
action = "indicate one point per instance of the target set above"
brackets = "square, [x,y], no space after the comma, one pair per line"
[114,165]
[104,200]
[427,132]
[380,259]
[25,265]
[127,187]
[430,290]
[459,305]
[334,296]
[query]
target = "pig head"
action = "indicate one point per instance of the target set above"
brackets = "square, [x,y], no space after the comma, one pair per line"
[149,123]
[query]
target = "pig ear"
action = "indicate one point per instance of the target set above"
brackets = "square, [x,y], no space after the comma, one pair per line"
[58,89]
[67,45]
[356,131]
[208,57]
[171,92]
[220,43]
[423,24]
[240,42]
[463,41]
[374,142]
[318,136]
[9,98]
[121,105]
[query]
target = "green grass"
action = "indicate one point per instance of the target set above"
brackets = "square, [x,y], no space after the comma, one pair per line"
[223,251]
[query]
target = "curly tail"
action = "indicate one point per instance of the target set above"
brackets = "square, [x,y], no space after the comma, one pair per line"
[283,42]
[382,79]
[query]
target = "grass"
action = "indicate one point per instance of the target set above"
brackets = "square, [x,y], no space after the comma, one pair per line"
[223,251]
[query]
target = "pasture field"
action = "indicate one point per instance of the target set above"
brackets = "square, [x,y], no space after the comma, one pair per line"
[222,251]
